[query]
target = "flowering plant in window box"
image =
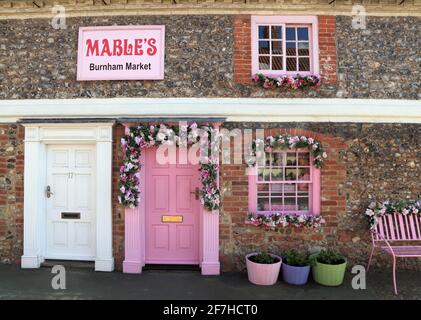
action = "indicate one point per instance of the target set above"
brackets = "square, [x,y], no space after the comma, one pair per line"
[376,210]
[287,81]
[273,221]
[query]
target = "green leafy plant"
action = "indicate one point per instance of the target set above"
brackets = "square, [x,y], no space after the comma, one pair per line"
[328,256]
[263,258]
[296,258]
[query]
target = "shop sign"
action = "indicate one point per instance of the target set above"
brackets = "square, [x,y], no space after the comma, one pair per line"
[121,53]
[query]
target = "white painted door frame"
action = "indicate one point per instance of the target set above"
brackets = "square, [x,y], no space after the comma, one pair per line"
[37,137]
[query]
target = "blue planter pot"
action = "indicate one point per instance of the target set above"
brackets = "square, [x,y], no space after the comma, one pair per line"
[295,275]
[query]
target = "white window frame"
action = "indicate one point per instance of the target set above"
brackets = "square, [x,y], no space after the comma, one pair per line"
[285,21]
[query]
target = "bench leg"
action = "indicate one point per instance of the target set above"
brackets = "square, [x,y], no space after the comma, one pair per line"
[394,275]
[369,259]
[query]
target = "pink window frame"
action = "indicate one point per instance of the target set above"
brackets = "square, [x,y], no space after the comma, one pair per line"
[294,21]
[314,191]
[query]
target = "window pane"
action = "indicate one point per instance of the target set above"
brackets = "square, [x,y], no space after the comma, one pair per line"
[291,64]
[277,174]
[291,174]
[291,49]
[290,33]
[276,204]
[304,64]
[264,63]
[302,33]
[263,32]
[290,204]
[263,175]
[303,189]
[262,189]
[303,49]
[289,190]
[277,159]
[291,159]
[264,47]
[303,159]
[304,174]
[276,190]
[263,204]
[277,63]
[276,32]
[303,204]
[276,47]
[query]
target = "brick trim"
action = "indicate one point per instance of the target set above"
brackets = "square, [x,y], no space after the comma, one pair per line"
[242,49]
[327,49]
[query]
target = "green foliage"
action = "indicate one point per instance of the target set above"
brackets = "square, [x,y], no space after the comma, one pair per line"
[328,256]
[263,258]
[296,258]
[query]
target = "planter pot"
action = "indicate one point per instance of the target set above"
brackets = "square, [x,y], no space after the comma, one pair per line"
[295,275]
[328,274]
[263,274]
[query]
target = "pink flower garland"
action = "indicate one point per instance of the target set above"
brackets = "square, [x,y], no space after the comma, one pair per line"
[377,210]
[291,142]
[142,137]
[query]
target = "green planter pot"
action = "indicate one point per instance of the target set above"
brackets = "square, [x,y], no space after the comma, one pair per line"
[329,274]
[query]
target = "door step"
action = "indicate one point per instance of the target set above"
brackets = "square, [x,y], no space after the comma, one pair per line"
[171,267]
[69,264]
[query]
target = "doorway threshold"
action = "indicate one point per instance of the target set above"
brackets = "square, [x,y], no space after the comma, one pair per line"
[171,267]
[69,264]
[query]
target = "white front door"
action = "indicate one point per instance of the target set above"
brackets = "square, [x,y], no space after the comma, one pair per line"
[71,202]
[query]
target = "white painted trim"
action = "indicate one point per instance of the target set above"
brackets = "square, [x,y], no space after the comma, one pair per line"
[37,136]
[233,109]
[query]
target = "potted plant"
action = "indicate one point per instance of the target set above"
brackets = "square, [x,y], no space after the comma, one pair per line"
[295,267]
[328,267]
[263,268]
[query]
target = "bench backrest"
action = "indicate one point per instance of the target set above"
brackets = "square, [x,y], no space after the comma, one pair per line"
[397,227]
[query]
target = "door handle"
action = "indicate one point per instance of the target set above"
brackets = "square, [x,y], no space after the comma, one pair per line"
[196,193]
[48,192]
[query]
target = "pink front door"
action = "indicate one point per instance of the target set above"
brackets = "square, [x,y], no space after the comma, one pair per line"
[172,212]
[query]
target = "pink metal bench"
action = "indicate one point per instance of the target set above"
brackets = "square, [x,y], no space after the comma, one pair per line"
[391,231]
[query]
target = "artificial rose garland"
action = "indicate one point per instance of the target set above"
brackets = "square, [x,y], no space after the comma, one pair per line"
[277,220]
[287,81]
[144,136]
[290,142]
[376,210]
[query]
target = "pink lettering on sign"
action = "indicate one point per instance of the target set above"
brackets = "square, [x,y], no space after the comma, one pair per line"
[121,53]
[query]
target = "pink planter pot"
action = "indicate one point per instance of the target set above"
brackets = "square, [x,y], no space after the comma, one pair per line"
[263,274]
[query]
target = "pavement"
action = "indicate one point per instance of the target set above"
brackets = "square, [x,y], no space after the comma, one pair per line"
[16,283]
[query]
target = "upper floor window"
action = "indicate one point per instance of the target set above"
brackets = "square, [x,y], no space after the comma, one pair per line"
[286,183]
[284,45]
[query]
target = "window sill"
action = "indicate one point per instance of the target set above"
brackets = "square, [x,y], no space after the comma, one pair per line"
[272,74]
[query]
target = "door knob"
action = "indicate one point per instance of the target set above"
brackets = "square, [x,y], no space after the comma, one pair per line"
[196,193]
[48,192]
